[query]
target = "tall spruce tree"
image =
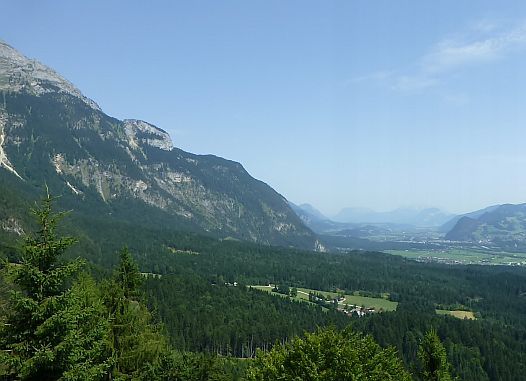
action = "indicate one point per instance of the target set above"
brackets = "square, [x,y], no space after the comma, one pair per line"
[52,331]
[433,359]
[137,343]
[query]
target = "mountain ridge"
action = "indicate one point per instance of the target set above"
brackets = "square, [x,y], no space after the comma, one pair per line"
[504,224]
[30,75]
[426,217]
[446,227]
[50,132]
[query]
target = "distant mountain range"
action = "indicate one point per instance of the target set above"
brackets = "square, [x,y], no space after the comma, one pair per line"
[307,212]
[429,217]
[128,172]
[504,224]
[316,221]
[499,226]
[449,225]
[122,170]
[320,224]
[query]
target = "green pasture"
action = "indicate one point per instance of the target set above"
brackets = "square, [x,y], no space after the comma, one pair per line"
[458,314]
[379,304]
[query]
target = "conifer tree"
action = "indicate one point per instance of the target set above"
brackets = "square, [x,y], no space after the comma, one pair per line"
[137,343]
[329,355]
[86,344]
[433,359]
[42,338]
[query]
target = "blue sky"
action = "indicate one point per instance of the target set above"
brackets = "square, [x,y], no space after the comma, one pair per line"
[337,103]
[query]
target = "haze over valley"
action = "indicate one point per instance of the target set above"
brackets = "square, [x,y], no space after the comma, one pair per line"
[262,191]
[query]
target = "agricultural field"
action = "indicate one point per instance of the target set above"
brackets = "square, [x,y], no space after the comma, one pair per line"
[458,314]
[379,304]
[464,256]
[300,297]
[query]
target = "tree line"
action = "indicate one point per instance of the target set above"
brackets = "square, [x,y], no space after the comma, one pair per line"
[200,322]
[61,324]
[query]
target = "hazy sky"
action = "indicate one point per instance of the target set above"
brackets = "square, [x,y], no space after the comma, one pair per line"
[348,103]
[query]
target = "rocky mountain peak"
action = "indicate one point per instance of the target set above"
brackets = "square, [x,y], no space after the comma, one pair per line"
[129,166]
[19,73]
[140,132]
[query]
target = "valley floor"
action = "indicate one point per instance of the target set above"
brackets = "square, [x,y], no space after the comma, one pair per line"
[463,256]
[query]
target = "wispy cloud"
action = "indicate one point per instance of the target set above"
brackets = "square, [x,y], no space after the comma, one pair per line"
[483,43]
[452,53]
[485,26]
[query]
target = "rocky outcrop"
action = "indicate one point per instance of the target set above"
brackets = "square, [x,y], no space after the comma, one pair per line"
[50,132]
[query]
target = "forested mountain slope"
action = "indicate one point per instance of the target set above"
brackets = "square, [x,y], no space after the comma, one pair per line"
[129,170]
[502,224]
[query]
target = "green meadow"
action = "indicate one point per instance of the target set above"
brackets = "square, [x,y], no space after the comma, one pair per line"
[379,304]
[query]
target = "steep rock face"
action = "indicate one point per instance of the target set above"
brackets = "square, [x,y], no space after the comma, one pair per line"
[140,132]
[50,132]
[19,73]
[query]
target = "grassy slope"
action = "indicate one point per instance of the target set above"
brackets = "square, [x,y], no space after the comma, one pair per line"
[458,314]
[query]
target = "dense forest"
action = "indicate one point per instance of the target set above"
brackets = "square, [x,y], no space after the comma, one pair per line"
[480,349]
[188,313]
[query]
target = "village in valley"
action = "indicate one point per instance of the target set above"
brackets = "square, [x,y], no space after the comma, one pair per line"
[356,304]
